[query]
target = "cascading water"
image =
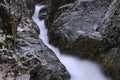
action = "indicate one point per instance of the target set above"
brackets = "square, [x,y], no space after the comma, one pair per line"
[78,69]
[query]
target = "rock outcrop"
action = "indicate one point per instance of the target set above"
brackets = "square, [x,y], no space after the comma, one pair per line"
[88,29]
[109,28]
[23,56]
[74,27]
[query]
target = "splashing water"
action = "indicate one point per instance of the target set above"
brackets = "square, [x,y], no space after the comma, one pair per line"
[78,69]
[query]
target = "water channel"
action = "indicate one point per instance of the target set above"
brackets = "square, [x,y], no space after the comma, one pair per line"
[78,69]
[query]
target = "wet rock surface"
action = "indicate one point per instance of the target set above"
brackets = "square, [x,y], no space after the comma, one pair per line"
[43,13]
[88,29]
[23,56]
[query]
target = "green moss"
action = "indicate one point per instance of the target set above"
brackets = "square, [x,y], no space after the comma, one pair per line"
[18,58]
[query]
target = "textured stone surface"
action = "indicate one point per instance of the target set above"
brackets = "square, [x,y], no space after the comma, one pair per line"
[110,25]
[111,62]
[74,28]
[88,29]
[23,56]
[110,30]
[43,12]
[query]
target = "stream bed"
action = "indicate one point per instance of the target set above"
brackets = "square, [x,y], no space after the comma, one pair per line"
[78,69]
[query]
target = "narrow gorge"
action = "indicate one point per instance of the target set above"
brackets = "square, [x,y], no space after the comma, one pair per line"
[79,69]
[59,39]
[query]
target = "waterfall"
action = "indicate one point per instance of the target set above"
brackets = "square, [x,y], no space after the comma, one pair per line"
[78,69]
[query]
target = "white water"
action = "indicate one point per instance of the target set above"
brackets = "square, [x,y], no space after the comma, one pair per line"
[78,69]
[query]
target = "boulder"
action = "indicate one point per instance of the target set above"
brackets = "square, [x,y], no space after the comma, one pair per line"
[73,28]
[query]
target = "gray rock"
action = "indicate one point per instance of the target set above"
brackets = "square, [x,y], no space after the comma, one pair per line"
[23,56]
[74,27]
[109,26]
[5,19]
[88,29]
[43,13]
[111,62]
[110,30]
[30,48]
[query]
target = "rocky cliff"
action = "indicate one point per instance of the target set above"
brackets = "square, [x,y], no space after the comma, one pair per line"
[88,29]
[23,56]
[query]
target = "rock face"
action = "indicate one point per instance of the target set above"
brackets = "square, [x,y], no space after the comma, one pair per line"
[110,30]
[43,13]
[88,29]
[74,27]
[109,26]
[23,56]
